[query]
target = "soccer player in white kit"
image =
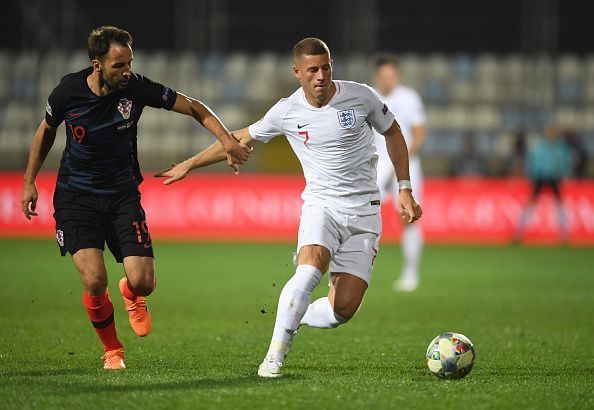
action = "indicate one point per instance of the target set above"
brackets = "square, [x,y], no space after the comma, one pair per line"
[329,126]
[407,106]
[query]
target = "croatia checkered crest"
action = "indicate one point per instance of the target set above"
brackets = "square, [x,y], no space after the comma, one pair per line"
[125,107]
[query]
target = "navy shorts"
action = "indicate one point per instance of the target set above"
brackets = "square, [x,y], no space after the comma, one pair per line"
[86,220]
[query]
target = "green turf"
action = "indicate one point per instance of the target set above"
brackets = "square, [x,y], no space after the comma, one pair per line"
[529,312]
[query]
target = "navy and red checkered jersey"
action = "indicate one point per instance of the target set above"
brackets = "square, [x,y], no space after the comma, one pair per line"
[101,154]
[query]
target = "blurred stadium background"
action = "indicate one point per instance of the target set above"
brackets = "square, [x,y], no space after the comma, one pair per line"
[489,73]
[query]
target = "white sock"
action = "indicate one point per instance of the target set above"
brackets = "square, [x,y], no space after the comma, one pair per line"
[412,247]
[292,305]
[320,314]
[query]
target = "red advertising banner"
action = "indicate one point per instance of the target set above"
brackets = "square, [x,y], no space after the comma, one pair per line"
[267,207]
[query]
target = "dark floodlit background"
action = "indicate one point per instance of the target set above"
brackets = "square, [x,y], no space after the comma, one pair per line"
[486,70]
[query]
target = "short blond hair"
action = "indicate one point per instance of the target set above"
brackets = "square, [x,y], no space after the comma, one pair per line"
[310,46]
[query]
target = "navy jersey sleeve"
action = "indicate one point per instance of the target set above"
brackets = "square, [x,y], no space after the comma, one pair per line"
[54,110]
[153,94]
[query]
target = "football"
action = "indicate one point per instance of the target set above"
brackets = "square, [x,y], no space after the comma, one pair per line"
[450,356]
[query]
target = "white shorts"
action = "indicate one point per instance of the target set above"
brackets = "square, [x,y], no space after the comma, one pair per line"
[386,179]
[353,241]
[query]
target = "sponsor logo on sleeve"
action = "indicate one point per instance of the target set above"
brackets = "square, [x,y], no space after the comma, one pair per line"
[166,92]
[125,107]
[346,118]
[385,109]
[48,109]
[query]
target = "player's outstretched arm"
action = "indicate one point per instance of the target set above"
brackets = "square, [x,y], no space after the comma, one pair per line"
[211,155]
[408,207]
[41,145]
[236,153]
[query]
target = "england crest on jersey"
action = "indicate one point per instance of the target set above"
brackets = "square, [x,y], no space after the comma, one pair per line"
[125,107]
[346,118]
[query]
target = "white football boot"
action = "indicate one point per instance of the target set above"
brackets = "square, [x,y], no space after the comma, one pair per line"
[270,368]
[406,285]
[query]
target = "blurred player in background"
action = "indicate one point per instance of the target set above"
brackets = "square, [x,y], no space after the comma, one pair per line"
[327,124]
[469,162]
[96,199]
[515,163]
[409,111]
[547,164]
[579,154]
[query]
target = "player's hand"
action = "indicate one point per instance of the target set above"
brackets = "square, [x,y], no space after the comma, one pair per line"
[175,173]
[408,207]
[232,164]
[237,153]
[29,201]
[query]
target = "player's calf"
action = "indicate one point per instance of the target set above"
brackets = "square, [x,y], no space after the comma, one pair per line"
[96,301]
[100,311]
[346,294]
[343,301]
[345,311]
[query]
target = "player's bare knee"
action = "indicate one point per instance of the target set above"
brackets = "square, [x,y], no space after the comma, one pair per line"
[144,288]
[94,285]
[315,255]
[143,284]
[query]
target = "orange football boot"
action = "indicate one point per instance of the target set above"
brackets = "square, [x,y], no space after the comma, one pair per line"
[140,318]
[114,359]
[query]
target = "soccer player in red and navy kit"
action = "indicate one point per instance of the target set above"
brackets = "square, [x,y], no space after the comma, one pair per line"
[96,200]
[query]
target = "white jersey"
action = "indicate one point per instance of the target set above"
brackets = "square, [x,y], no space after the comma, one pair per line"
[407,106]
[334,144]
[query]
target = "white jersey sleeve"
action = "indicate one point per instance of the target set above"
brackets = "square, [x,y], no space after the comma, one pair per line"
[379,115]
[271,125]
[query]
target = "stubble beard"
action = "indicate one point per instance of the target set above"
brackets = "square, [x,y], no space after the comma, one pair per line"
[321,98]
[105,84]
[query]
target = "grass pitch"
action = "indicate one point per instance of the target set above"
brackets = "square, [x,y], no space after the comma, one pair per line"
[529,312]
